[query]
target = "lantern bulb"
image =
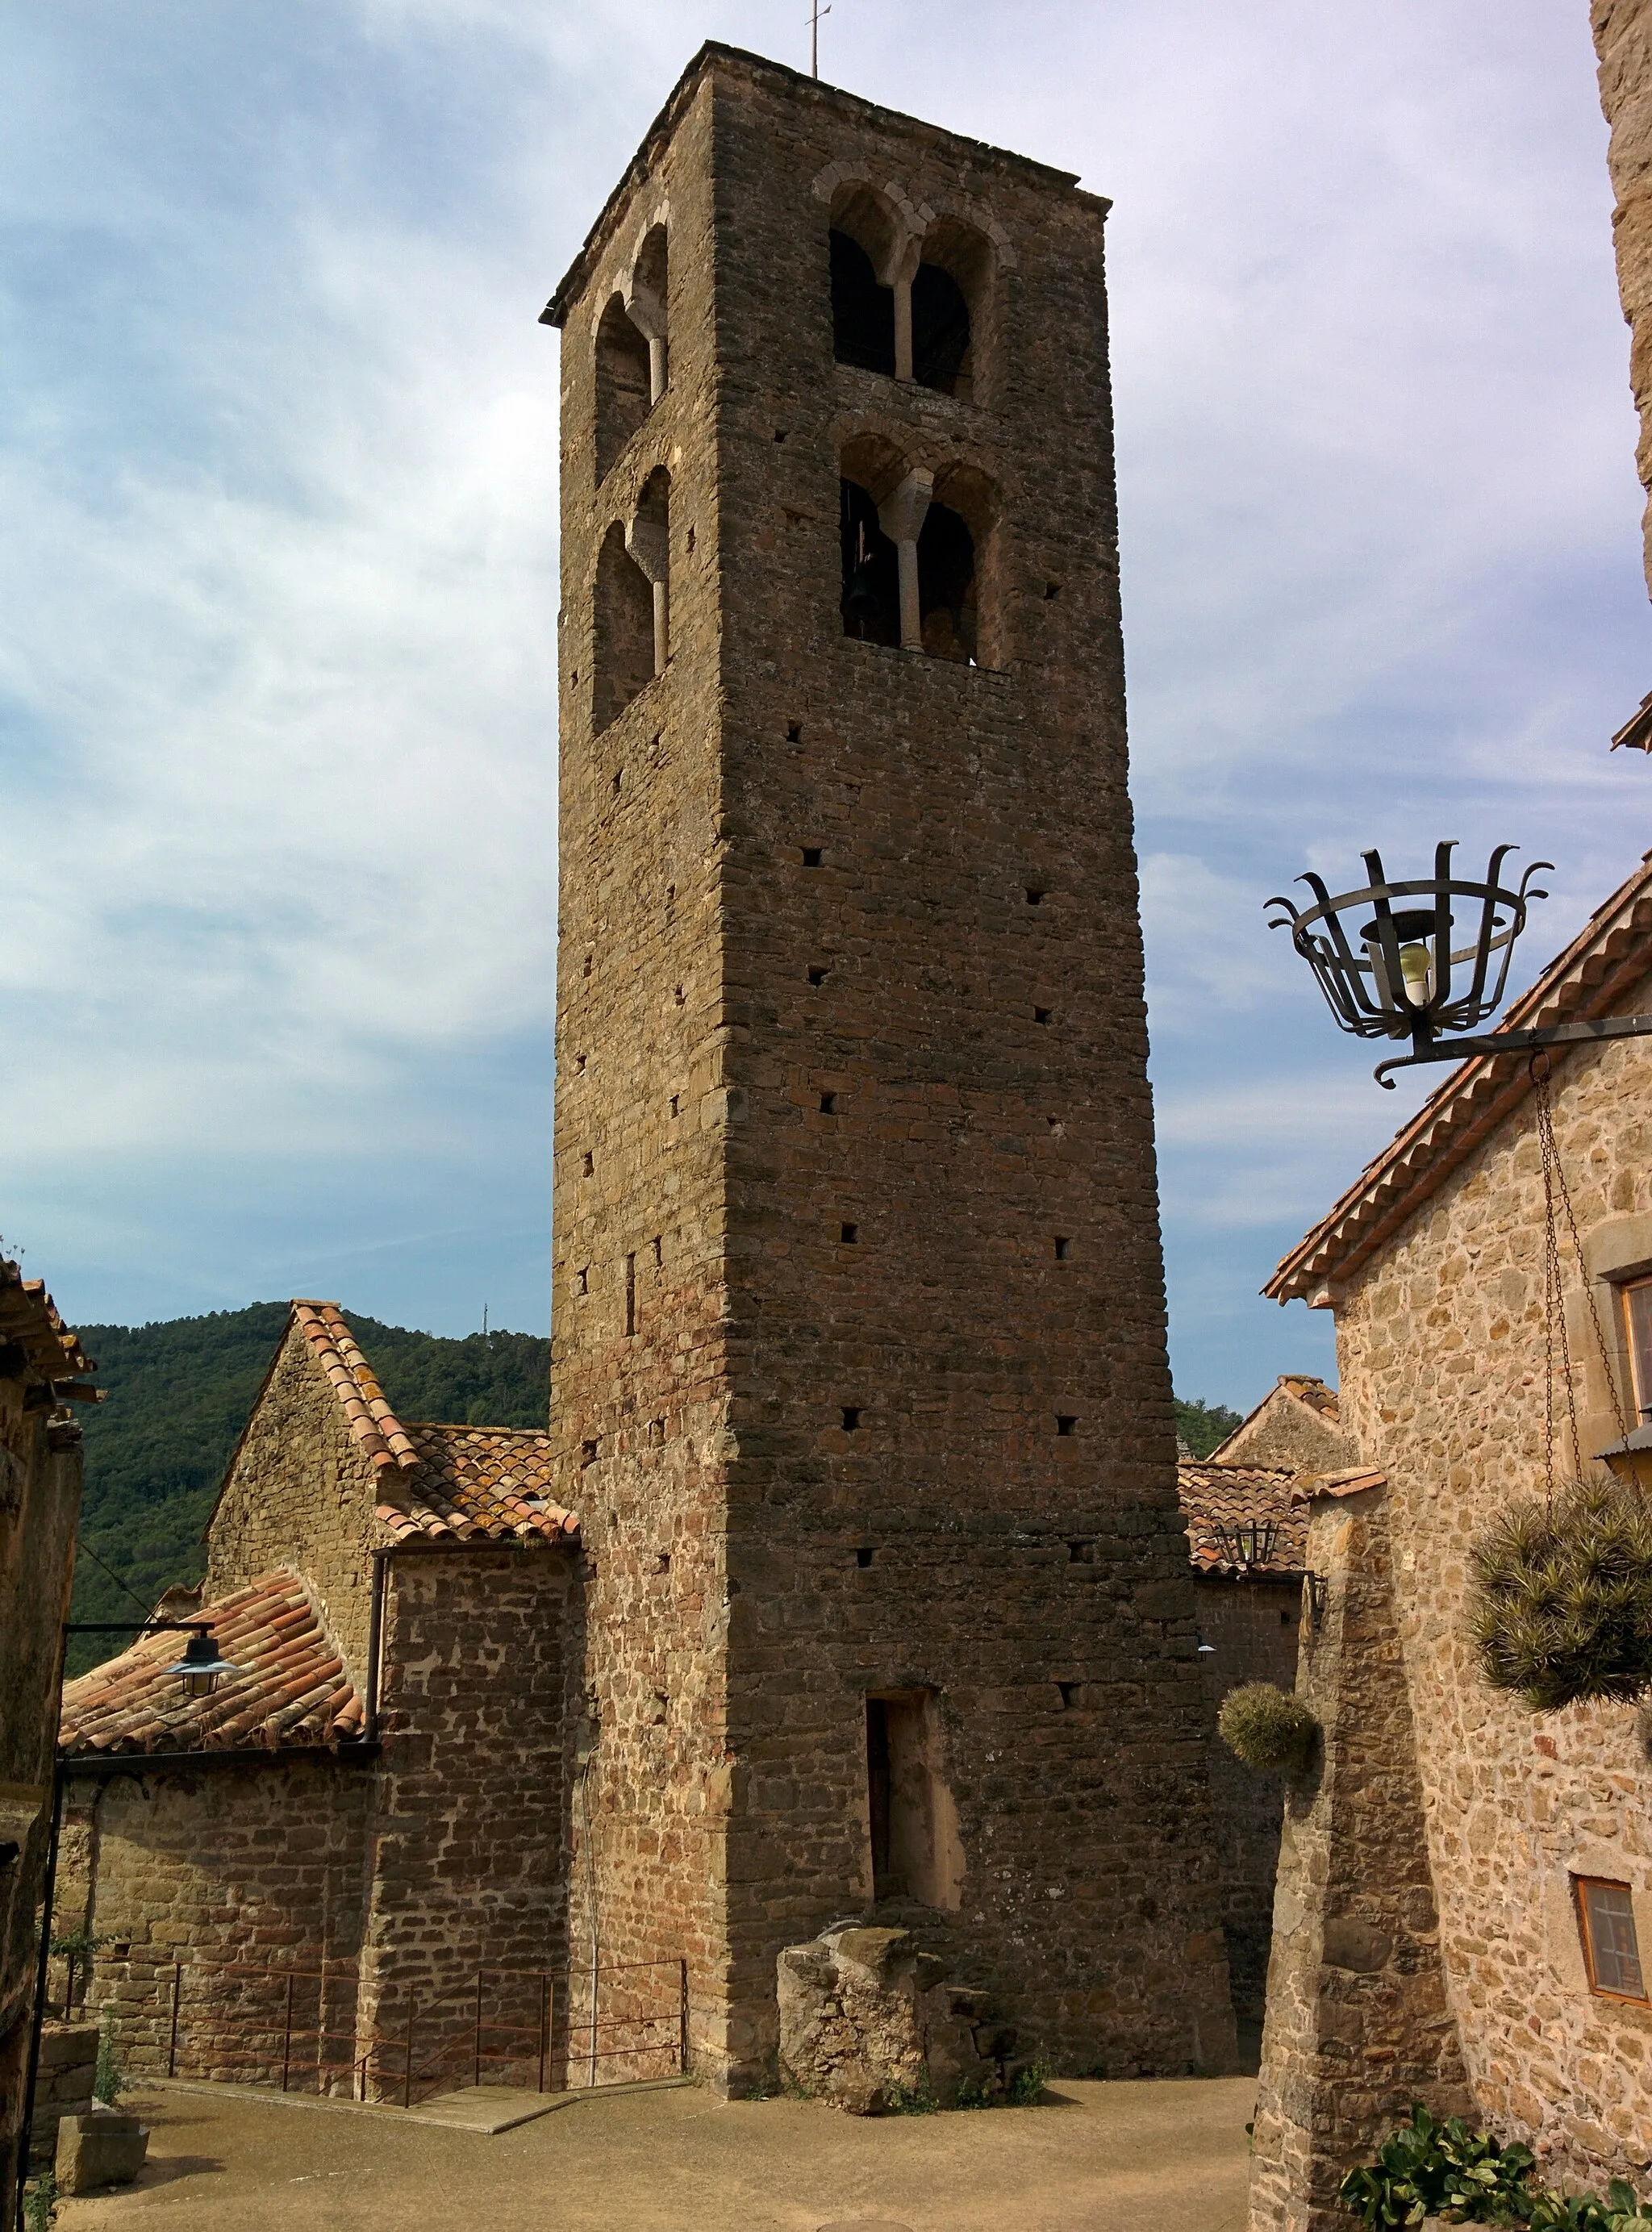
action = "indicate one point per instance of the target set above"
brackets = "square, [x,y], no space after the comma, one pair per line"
[1414,970]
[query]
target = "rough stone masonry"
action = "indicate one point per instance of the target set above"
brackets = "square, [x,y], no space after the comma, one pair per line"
[860,1380]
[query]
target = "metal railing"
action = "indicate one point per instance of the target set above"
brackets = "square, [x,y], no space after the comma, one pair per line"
[300,2028]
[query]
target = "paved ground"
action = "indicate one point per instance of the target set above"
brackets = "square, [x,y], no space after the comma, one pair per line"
[1149,2156]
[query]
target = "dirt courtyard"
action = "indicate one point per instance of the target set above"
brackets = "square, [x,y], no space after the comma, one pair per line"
[1168,2156]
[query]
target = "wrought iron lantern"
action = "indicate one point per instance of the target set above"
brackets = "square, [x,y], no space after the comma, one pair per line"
[1396,975]
[200,1668]
[1250,1543]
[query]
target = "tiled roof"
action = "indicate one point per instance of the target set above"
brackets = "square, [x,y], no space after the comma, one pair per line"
[1604,962]
[373,1421]
[29,1317]
[478,1483]
[1219,1499]
[291,1687]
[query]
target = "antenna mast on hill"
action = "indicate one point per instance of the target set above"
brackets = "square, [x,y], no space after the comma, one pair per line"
[814,37]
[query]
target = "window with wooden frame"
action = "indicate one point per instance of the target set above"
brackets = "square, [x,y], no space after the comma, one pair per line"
[1635,1296]
[1606,1925]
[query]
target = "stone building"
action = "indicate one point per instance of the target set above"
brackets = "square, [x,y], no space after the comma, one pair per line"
[1297,1424]
[43,1371]
[381,1790]
[858,1316]
[1437,1934]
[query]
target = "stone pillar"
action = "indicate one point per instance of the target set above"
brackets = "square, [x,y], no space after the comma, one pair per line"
[646,540]
[647,312]
[901,515]
[900,283]
[1357,2021]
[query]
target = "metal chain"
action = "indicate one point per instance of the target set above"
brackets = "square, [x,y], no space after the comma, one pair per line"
[1554,1183]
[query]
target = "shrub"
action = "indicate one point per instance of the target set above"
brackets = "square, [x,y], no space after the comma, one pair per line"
[1563,1606]
[109,2081]
[1266,1727]
[40,2203]
[1430,2169]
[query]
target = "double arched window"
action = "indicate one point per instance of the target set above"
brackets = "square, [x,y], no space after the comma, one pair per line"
[632,605]
[631,367]
[911,305]
[917,554]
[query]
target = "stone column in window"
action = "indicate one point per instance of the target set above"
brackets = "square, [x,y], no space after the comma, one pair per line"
[901,277]
[646,540]
[647,312]
[901,515]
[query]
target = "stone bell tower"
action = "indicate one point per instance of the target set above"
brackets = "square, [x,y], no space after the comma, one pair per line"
[859,1370]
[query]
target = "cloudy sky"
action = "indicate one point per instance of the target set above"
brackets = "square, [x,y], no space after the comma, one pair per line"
[278,582]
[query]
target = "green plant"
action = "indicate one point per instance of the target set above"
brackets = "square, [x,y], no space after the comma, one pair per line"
[1026,2085]
[915,2101]
[40,2203]
[1430,2169]
[1563,1608]
[1582,2212]
[109,2081]
[1267,1727]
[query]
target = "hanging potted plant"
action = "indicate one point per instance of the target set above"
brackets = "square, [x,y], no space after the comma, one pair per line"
[1562,1605]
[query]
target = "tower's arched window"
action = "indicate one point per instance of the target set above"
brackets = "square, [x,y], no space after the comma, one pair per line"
[623,383]
[946,585]
[623,629]
[871,602]
[649,541]
[645,304]
[863,313]
[952,297]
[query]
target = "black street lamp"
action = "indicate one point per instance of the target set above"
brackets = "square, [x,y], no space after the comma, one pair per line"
[200,1667]
[1392,975]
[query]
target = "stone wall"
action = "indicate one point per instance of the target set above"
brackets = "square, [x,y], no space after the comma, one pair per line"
[850,1034]
[1441,1349]
[1357,2024]
[299,1493]
[40,1507]
[1287,1430]
[1624,44]
[232,1871]
[1251,1625]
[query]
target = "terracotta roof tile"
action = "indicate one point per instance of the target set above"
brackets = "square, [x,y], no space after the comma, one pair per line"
[1218,1499]
[292,1687]
[478,1483]
[29,1317]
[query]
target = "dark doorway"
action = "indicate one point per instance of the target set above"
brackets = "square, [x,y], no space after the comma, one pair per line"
[915,1848]
[870,599]
[863,313]
[877,1792]
[622,383]
[946,585]
[940,331]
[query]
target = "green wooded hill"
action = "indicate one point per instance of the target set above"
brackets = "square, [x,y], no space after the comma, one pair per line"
[179,1395]
[1202,1425]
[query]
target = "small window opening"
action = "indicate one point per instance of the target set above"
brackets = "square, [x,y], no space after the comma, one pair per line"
[1063,1248]
[795,732]
[863,313]
[655,1244]
[828,1104]
[1082,1553]
[616,782]
[630,1295]
[1034,895]
[588,1453]
[1612,1950]
[663,1564]
[812,855]
[590,1162]
[579,1065]
[1069,1694]
[582,1281]
[862,1559]
[1040,1015]
[1052,590]
[780,433]
[657,1433]
[849,1236]
[870,569]
[1285,1619]
[1058,1129]
[941,352]
[851,1419]
[671,897]
[817,977]
[1637,1325]
[673,1104]
[690,541]
[622,383]
[677,995]
[585,970]
[662,1707]
[946,586]
[913,1823]
[1066,1425]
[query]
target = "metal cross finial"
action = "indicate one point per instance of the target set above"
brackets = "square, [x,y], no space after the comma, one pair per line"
[814,37]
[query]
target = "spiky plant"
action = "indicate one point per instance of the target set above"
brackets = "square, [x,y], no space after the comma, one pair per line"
[1267,1727]
[1563,1598]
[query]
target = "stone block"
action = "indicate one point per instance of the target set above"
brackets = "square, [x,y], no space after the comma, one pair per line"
[867,2022]
[100,2148]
